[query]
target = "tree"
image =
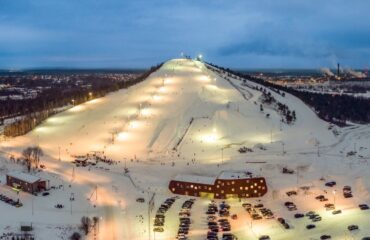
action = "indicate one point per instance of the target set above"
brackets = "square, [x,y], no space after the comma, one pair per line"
[37,153]
[27,154]
[75,236]
[85,224]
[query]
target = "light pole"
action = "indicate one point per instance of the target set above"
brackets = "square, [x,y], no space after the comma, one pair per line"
[334,193]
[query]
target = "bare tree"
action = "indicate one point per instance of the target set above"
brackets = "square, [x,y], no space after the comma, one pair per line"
[36,154]
[85,224]
[75,236]
[27,154]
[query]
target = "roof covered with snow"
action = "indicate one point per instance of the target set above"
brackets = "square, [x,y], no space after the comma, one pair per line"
[24,176]
[195,179]
[228,175]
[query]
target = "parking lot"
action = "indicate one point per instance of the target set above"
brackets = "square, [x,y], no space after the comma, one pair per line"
[310,214]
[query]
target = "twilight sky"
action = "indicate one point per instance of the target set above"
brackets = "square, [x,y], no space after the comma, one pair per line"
[140,33]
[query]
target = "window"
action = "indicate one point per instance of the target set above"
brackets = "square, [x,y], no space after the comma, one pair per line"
[255,191]
[232,182]
[252,186]
[191,186]
[261,181]
[222,191]
[210,189]
[246,188]
[218,186]
[232,189]
[241,188]
[195,187]
[173,189]
[255,184]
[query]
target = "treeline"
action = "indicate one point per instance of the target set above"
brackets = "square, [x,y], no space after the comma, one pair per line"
[333,108]
[288,116]
[34,111]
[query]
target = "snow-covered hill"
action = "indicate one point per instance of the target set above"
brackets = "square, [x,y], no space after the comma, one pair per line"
[186,118]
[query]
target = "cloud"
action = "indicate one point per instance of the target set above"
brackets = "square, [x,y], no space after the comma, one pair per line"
[144,32]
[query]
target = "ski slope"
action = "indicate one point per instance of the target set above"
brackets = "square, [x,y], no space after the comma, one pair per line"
[184,118]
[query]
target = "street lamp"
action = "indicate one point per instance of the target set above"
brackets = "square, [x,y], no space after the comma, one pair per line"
[334,192]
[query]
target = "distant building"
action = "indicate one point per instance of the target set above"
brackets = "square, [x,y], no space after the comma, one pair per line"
[25,182]
[225,185]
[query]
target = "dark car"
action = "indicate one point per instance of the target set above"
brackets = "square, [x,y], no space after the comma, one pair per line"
[298,215]
[352,227]
[310,226]
[363,206]
[330,184]
[325,237]
[264,237]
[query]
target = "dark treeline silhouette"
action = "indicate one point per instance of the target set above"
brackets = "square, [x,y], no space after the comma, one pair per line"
[52,100]
[334,108]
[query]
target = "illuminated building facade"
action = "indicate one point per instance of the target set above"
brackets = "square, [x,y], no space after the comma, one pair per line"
[225,185]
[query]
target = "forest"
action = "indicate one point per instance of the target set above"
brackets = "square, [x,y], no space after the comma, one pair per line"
[53,99]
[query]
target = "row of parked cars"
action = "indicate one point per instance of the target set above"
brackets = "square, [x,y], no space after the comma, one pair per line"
[222,224]
[160,215]
[10,201]
[184,214]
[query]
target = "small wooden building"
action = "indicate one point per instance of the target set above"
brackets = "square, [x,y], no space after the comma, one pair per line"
[225,185]
[25,182]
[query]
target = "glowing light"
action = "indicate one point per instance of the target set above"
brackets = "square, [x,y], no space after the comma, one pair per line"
[156,98]
[162,89]
[94,101]
[209,138]
[78,108]
[122,136]
[145,112]
[134,124]
[204,78]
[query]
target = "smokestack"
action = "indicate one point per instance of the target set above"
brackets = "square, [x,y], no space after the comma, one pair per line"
[338,69]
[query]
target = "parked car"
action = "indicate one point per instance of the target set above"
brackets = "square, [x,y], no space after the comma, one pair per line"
[352,227]
[298,215]
[336,212]
[310,226]
[264,237]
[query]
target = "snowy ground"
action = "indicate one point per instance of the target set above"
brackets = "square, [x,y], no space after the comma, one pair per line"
[147,128]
